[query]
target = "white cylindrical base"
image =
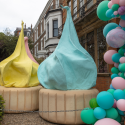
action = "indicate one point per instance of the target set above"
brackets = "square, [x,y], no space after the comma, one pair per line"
[56,100]
[20,99]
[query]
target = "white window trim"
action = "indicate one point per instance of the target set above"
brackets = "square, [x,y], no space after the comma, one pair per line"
[41,44]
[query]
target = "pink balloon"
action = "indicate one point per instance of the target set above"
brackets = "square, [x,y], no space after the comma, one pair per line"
[122,60]
[118,28]
[107,121]
[121,104]
[116,38]
[121,2]
[122,23]
[118,83]
[116,65]
[115,12]
[110,4]
[115,1]
[28,50]
[114,105]
[108,56]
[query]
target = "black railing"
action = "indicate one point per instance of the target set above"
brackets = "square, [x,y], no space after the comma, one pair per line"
[80,13]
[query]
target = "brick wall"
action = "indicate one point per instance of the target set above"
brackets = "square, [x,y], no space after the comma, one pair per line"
[104,80]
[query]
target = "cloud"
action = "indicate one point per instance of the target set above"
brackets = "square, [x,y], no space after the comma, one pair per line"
[12,12]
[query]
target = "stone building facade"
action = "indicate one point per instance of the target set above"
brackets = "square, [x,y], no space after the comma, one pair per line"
[45,32]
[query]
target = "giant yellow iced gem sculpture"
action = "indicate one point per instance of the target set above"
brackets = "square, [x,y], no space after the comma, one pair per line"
[18,70]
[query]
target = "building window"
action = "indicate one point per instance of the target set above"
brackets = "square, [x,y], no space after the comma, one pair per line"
[55,28]
[74,9]
[35,35]
[81,7]
[69,4]
[82,41]
[41,43]
[41,27]
[28,33]
[57,4]
[101,48]
[44,38]
[89,3]
[90,44]
[37,32]
[81,3]
[48,30]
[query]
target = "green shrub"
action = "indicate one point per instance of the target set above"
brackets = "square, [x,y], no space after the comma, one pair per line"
[39,60]
[1,107]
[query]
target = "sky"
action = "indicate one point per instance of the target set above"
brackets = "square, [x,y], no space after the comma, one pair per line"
[12,12]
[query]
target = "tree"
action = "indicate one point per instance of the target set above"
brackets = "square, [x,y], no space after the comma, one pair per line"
[8,43]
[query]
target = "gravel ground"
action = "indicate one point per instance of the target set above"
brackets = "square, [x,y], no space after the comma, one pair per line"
[24,119]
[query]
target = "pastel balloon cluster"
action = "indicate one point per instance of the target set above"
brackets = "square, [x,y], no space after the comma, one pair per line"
[118,71]
[108,107]
[114,35]
[104,108]
[112,9]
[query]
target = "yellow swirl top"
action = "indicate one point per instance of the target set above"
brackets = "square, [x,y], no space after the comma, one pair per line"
[18,70]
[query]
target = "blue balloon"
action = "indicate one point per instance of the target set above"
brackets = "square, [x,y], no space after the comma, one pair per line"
[120,26]
[119,66]
[116,57]
[105,100]
[119,94]
[123,17]
[109,27]
[113,16]
[109,13]
[111,87]
[114,75]
[99,113]
[120,112]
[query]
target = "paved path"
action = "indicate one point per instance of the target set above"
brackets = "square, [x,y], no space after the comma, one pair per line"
[24,119]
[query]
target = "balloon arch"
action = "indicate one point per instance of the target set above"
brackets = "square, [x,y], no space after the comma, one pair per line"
[109,105]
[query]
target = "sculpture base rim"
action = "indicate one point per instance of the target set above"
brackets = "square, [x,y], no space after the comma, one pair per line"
[20,100]
[56,100]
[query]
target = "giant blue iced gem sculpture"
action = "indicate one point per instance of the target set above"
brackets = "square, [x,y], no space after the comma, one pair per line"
[70,66]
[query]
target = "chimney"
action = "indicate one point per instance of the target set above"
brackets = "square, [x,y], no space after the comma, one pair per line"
[31,27]
[25,25]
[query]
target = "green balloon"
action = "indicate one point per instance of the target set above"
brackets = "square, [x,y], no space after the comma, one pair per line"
[121,52]
[118,119]
[87,116]
[123,47]
[115,7]
[101,11]
[114,70]
[124,90]
[93,103]
[111,91]
[111,113]
[122,75]
[122,67]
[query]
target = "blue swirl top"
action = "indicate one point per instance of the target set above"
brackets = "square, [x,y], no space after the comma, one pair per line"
[70,66]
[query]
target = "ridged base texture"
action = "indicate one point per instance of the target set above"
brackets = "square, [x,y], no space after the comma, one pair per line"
[55,100]
[20,99]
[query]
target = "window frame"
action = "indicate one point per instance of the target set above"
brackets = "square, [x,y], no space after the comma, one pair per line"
[48,30]
[55,28]
[75,17]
